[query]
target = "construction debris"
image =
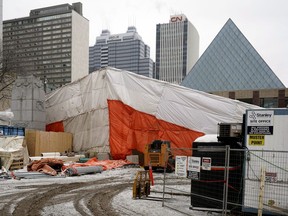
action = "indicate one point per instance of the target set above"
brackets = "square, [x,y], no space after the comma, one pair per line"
[13,151]
[32,175]
[76,171]
[106,164]
[53,167]
[49,166]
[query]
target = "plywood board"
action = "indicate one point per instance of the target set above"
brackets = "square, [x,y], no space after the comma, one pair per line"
[42,141]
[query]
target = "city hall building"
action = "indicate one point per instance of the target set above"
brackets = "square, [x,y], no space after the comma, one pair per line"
[231,67]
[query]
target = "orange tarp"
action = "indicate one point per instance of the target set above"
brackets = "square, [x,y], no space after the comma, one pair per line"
[45,165]
[106,164]
[132,129]
[55,127]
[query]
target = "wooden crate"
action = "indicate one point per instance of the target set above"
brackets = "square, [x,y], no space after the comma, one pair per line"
[17,164]
[43,141]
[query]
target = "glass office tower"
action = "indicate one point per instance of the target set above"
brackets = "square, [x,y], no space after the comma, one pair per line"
[125,51]
[177,49]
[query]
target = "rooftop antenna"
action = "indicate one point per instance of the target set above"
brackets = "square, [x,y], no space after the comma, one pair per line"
[132,21]
[105,25]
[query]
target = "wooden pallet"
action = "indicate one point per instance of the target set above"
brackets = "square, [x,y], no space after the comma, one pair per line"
[17,164]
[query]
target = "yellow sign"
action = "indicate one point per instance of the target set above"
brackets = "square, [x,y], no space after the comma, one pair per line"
[256,140]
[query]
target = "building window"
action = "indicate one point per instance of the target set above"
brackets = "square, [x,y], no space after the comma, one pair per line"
[246,100]
[269,102]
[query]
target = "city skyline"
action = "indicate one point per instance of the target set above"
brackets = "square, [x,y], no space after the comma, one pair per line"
[262,22]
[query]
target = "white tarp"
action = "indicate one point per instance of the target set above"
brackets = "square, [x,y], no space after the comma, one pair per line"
[6,116]
[82,105]
[13,147]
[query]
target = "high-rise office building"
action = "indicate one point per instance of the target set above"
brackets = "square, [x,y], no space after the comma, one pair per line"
[177,49]
[125,51]
[1,26]
[52,43]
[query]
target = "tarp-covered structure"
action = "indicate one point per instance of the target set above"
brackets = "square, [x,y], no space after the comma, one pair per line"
[117,111]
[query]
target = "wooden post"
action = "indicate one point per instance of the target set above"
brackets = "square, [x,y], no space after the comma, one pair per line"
[261,192]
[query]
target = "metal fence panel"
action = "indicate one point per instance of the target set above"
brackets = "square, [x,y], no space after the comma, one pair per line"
[231,181]
[275,166]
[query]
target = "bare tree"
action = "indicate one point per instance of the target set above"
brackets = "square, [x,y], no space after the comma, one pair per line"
[8,75]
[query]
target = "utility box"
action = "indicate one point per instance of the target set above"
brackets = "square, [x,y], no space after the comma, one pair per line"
[42,141]
[207,187]
[266,138]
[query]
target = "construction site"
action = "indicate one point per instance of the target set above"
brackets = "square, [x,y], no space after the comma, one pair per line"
[117,143]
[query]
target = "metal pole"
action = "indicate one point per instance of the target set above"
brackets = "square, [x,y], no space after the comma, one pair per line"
[226,180]
[163,198]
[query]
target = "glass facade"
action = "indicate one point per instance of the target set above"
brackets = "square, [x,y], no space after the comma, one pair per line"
[269,102]
[1,27]
[177,49]
[124,51]
[231,63]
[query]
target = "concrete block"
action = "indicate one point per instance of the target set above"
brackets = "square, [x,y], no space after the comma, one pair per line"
[38,105]
[133,158]
[28,93]
[39,116]
[37,126]
[21,105]
[103,156]
[17,115]
[24,115]
[15,105]
[38,94]
[27,115]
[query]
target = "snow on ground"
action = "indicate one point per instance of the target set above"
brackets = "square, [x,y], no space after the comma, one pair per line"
[173,205]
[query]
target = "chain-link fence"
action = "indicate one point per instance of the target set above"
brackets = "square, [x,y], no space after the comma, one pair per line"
[266,181]
[230,181]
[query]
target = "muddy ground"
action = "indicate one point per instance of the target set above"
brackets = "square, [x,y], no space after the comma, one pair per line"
[106,193]
[89,198]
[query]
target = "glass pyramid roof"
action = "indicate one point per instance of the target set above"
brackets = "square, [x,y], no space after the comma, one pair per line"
[231,63]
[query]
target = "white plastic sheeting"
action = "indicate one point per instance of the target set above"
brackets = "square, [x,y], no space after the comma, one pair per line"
[82,105]
[13,147]
[6,116]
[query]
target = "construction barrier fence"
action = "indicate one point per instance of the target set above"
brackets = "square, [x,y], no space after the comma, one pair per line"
[230,181]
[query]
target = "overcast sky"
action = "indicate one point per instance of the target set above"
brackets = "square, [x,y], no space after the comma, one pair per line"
[263,22]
